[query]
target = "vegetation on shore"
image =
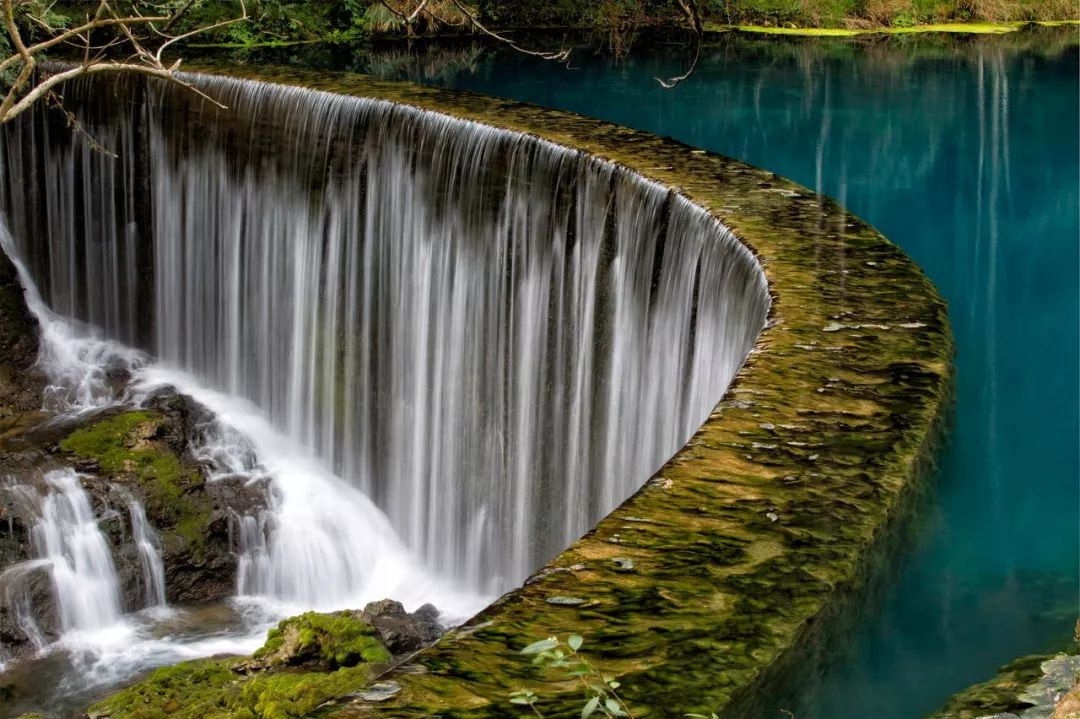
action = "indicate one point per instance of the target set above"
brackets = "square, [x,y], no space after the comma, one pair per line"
[617,21]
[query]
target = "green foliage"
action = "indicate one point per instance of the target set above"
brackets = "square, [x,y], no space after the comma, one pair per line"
[563,658]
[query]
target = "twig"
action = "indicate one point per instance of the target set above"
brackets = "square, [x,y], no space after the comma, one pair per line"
[142,61]
[561,55]
[693,14]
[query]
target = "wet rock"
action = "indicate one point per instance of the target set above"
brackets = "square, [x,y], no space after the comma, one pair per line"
[305,662]
[1029,688]
[146,455]
[565,601]
[321,641]
[29,617]
[403,633]
[380,692]
[21,385]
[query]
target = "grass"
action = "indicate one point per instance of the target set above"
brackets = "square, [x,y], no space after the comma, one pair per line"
[962,28]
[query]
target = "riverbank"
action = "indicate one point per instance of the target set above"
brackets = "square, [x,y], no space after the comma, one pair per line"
[617,24]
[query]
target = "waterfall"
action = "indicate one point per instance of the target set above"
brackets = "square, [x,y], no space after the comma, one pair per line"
[495,338]
[68,537]
[152,569]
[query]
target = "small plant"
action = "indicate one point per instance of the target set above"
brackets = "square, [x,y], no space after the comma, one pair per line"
[601,696]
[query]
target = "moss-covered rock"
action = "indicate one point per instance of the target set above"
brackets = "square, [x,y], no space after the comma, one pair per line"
[146,453]
[1000,694]
[1030,686]
[326,641]
[129,448]
[306,660]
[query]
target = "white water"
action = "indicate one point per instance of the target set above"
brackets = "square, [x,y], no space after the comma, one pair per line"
[449,349]
[86,586]
[494,338]
[323,544]
[148,545]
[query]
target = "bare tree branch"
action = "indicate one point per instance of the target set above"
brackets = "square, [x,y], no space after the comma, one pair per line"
[47,85]
[562,55]
[243,16]
[146,59]
[95,24]
[417,11]
[693,15]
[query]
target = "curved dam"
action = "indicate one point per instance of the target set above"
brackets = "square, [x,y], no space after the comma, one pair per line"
[499,323]
[496,338]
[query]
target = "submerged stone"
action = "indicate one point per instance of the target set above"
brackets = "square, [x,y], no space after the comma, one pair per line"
[1035,687]
[380,692]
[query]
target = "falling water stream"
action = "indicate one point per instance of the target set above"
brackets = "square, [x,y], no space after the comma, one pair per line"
[450,348]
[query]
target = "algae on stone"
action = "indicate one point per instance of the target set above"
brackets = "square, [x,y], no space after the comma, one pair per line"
[128,448]
[305,661]
[145,454]
[1029,687]
[340,639]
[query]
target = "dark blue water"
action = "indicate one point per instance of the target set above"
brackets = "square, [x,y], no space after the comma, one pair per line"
[965,153]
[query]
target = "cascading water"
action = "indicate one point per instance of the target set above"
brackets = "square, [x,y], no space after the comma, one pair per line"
[68,537]
[496,338]
[323,545]
[152,569]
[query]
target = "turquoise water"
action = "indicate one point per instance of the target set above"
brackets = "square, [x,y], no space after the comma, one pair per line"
[965,153]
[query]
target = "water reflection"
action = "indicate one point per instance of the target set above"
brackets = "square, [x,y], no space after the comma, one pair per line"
[964,152]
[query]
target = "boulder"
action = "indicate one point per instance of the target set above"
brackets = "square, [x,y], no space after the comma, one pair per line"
[321,641]
[24,586]
[146,454]
[403,633]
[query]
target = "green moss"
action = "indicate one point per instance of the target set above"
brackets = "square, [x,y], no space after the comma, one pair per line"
[127,449]
[340,639]
[998,695]
[343,645]
[119,445]
[190,690]
[214,689]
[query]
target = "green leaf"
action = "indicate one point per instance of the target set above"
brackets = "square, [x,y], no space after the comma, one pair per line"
[613,707]
[590,706]
[575,641]
[544,645]
[613,684]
